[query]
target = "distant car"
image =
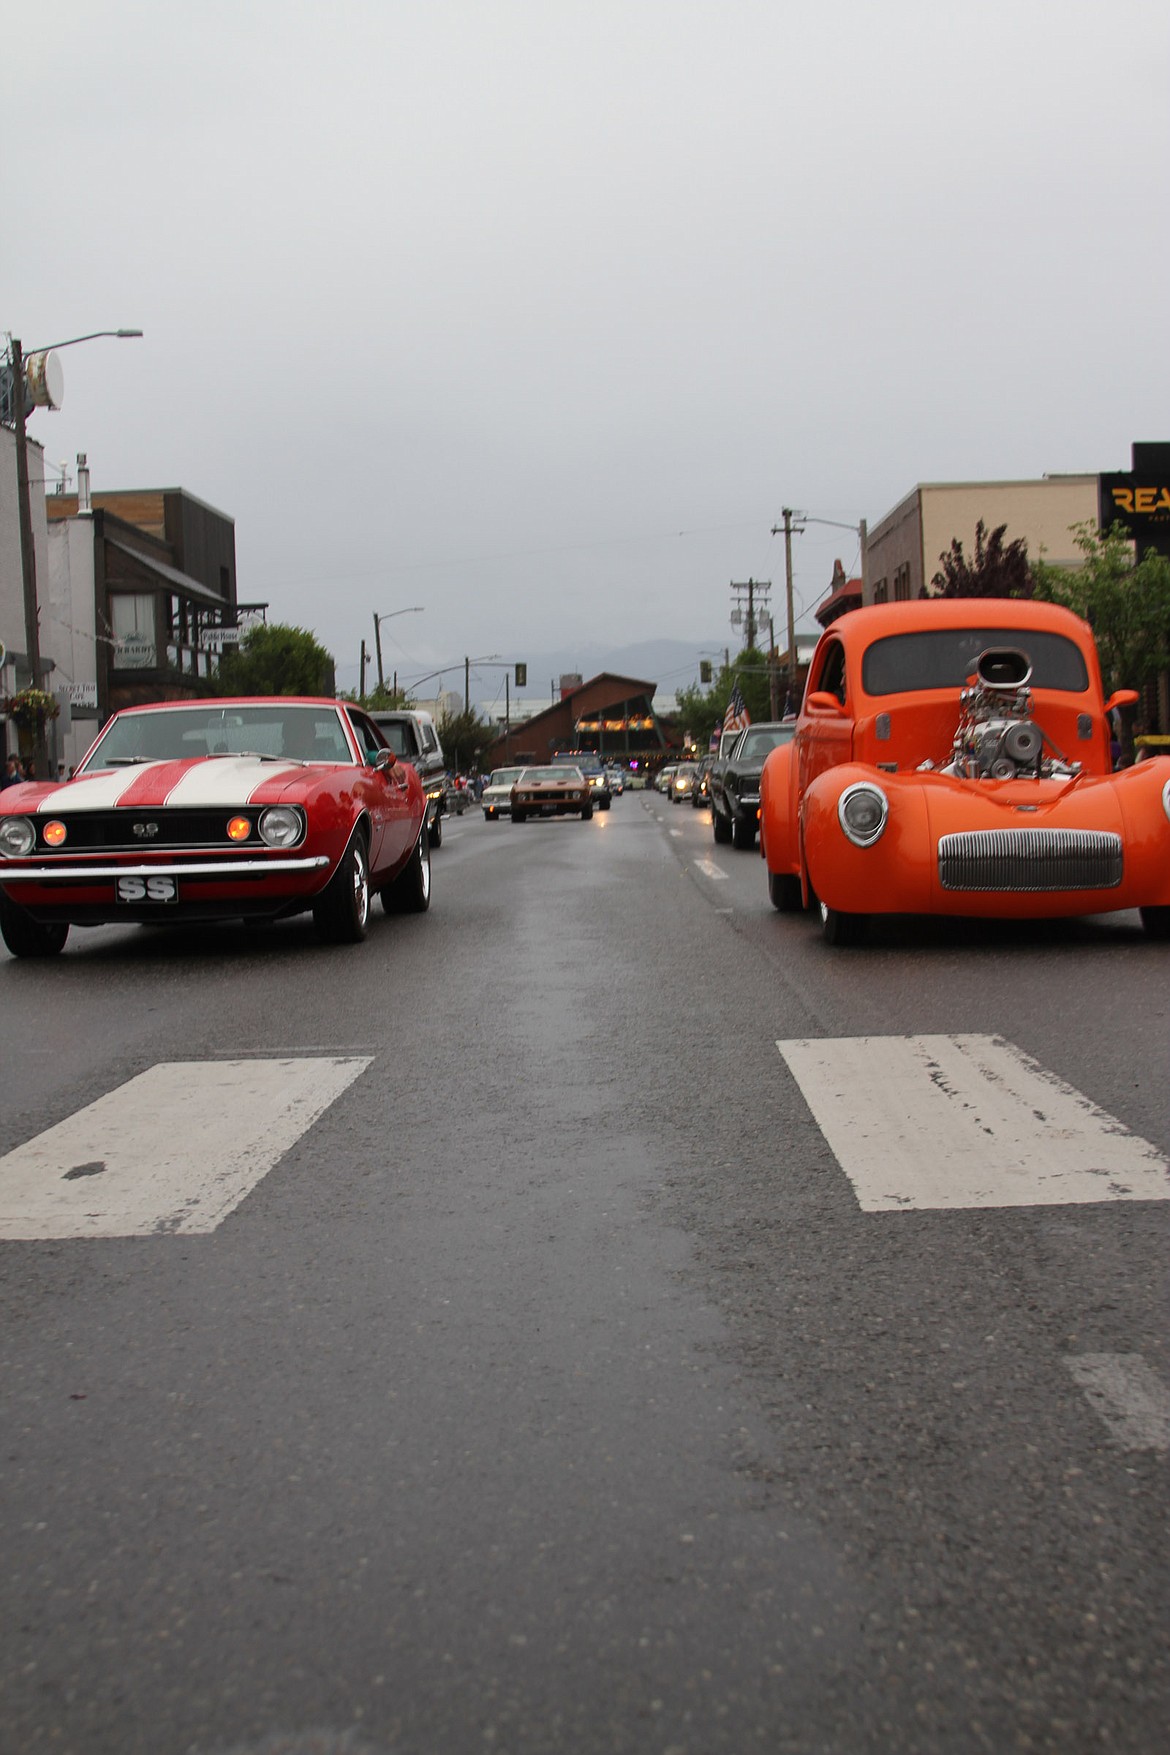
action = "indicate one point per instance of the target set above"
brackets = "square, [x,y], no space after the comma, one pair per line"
[411,733]
[701,786]
[684,779]
[665,775]
[248,809]
[556,790]
[734,781]
[952,756]
[594,770]
[617,781]
[496,797]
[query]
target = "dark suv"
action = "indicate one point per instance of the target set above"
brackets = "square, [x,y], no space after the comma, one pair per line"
[593,769]
[734,782]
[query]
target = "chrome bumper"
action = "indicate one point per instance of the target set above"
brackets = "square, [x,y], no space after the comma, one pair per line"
[51,872]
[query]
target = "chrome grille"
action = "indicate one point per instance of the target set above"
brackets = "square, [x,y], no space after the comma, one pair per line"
[1030,859]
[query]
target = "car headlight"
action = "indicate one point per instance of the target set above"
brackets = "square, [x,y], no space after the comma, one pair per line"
[18,837]
[862,810]
[280,826]
[1166,798]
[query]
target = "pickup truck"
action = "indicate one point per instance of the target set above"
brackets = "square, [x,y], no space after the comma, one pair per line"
[734,781]
[411,734]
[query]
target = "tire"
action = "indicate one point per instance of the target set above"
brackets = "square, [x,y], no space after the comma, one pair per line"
[587,813]
[519,816]
[26,937]
[410,891]
[604,803]
[342,914]
[841,929]
[1155,921]
[784,892]
[435,833]
[720,828]
[743,836]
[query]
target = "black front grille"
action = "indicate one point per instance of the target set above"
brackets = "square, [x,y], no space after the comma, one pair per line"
[142,831]
[1030,859]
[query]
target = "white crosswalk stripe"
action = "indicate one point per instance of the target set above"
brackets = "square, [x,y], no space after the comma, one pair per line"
[173,1150]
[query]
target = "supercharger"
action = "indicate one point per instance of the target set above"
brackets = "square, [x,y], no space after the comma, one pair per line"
[996,737]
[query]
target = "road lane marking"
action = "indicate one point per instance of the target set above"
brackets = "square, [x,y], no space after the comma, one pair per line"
[1130,1397]
[965,1121]
[709,869]
[677,833]
[174,1150]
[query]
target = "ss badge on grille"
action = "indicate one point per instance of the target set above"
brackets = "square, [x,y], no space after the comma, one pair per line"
[146,831]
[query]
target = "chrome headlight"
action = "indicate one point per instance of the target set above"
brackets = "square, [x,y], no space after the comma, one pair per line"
[18,837]
[1166,798]
[862,810]
[280,826]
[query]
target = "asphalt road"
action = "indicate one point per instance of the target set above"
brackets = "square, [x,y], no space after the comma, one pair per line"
[554,1390]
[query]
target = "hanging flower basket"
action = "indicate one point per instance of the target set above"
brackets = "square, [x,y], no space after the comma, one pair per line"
[31,708]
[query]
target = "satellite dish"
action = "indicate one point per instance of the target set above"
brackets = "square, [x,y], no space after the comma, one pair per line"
[44,381]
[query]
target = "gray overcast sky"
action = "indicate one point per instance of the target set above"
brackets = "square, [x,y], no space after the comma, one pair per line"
[537,312]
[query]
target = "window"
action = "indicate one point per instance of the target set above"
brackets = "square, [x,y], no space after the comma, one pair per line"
[881,591]
[832,677]
[943,658]
[135,630]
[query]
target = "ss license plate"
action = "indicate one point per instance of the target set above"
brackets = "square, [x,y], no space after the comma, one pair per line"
[147,889]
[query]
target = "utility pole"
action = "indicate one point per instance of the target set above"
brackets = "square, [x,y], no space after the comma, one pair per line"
[28,560]
[467,685]
[362,683]
[378,648]
[787,527]
[758,591]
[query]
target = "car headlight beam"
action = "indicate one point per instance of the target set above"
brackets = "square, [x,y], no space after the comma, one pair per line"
[862,811]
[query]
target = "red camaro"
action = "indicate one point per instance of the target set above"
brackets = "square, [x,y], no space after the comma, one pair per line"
[216,810]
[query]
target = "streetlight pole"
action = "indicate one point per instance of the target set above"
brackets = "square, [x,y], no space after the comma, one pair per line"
[415,609]
[28,559]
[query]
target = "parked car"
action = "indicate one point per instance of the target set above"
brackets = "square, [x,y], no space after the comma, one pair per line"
[733,781]
[411,733]
[246,809]
[556,790]
[496,796]
[952,756]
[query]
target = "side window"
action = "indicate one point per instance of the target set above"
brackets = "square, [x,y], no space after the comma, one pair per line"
[367,735]
[430,741]
[832,677]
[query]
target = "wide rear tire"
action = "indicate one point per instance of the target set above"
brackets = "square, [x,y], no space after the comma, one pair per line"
[410,891]
[26,937]
[1156,922]
[343,912]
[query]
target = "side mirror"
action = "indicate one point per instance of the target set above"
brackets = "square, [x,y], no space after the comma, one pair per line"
[1122,698]
[821,701]
[384,761]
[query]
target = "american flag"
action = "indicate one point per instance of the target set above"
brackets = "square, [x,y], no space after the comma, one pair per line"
[737,715]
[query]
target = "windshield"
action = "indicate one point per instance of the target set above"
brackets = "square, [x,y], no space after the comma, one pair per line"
[756,744]
[552,774]
[505,776]
[176,734]
[943,658]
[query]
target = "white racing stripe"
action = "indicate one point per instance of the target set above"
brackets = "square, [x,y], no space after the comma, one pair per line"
[1131,1398]
[100,793]
[228,780]
[173,1150]
[965,1121]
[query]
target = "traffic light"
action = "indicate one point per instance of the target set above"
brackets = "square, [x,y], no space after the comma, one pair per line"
[704,670]
[521,676]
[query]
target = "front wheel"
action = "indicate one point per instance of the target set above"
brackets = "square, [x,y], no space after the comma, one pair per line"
[720,827]
[743,835]
[587,813]
[519,816]
[343,912]
[26,937]
[435,834]
[1156,922]
[784,892]
[410,891]
[841,929]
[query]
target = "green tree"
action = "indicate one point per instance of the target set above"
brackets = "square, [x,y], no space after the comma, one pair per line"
[465,737]
[381,695]
[998,569]
[273,659]
[1126,602]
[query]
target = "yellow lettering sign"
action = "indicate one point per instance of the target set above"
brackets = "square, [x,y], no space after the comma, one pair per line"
[1123,499]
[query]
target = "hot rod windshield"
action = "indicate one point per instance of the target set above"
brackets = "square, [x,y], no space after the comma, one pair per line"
[943,658]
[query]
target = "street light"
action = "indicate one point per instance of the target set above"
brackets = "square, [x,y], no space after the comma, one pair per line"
[28,559]
[415,609]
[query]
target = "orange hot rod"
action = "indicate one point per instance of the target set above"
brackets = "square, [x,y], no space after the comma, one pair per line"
[952,756]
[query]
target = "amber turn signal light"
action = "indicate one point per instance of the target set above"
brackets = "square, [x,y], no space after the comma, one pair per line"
[54,833]
[239,828]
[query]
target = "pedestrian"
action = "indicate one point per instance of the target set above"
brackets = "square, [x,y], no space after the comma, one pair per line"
[13,772]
